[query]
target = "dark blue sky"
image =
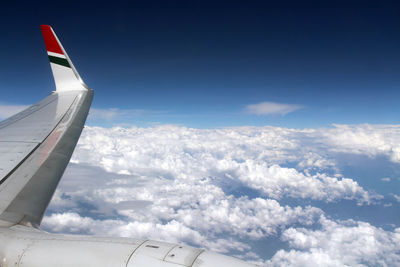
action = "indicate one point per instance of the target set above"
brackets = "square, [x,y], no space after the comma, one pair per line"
[201,63]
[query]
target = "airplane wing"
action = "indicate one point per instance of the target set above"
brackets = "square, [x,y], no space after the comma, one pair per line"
[37,143]
[35,148]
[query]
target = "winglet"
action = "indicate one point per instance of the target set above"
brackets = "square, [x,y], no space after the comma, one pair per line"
[66,77]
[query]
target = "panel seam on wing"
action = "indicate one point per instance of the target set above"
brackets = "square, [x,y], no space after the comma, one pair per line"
[38,145]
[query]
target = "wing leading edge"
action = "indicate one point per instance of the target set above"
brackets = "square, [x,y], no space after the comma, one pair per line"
[37,143]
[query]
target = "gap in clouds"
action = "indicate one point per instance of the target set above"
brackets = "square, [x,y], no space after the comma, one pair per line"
[371,169]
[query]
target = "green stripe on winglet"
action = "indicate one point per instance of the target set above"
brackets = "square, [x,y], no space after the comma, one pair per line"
[59,61]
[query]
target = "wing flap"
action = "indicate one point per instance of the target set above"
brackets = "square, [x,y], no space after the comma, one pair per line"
[11,154]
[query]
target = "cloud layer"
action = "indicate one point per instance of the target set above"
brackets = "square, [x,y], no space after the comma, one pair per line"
[251,156]
[224,189]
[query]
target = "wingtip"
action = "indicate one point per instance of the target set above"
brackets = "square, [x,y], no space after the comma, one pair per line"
[65,75]
[50,40]
[46,28]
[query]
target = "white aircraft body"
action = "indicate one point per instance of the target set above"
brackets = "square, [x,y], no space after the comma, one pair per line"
[35,148]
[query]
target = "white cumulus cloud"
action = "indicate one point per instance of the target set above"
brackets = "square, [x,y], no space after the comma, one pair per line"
[365,139]
[199,211]
[271,108]
[347,243]
[250,156]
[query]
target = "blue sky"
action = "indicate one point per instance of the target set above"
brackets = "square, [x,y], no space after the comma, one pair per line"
[200,64]
[324,190]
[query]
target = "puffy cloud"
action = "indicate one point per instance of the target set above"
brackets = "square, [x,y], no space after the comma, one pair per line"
[250,156]
[370,140]
[271,108]
[347,243]
[276,182]
[396,197]
[172,210]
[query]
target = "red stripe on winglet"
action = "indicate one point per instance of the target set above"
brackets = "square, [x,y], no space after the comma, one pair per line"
[50,40]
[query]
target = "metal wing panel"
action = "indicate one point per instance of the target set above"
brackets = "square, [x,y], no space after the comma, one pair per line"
[23,132]
[26,191]
[11,154]
[36,122]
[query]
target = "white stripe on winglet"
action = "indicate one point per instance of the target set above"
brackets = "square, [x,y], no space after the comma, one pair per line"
[55,54]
